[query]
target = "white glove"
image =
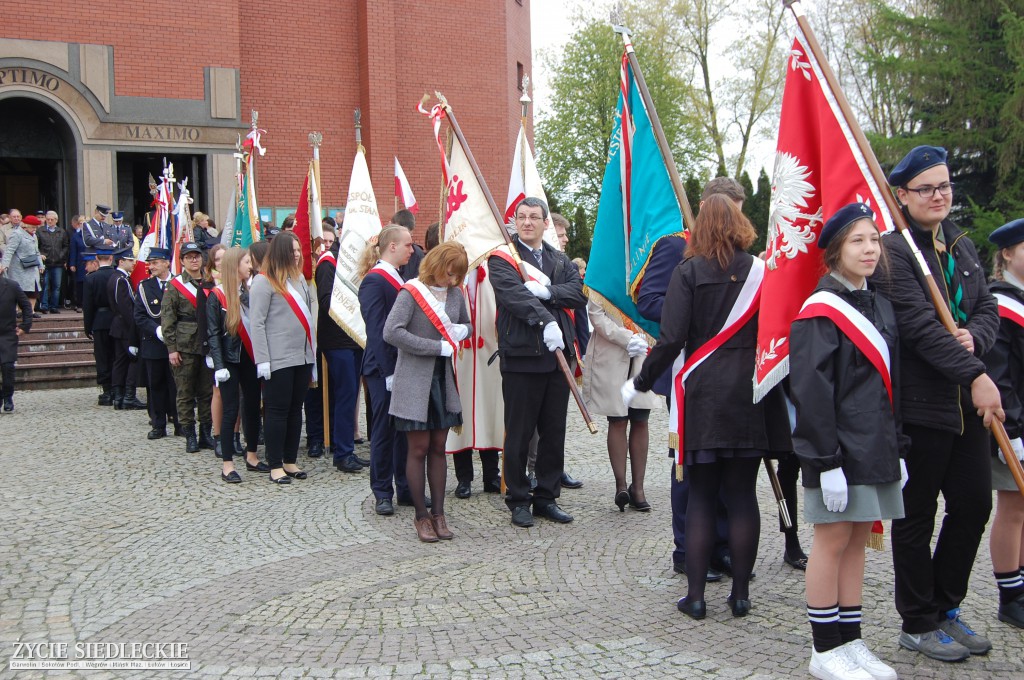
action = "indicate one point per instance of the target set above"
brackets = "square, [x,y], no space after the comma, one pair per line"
[159,333]
[263,370]
[1018,449]
[446,349]
[553,336]
[221,376]
[209,362]
[637,346]
[538,290]
[629,392]
[833,490]
[903,473]
[134,351]
[389,382]
[460,332]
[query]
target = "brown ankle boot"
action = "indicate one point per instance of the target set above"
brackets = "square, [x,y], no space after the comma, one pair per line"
[441,527]
[425,530]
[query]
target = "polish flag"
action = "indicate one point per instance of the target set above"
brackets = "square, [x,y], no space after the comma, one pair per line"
[525,181]
[402,189]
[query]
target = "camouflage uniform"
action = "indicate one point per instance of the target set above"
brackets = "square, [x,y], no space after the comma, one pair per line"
[179,324]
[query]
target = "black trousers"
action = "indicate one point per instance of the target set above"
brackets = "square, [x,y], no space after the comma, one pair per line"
[7,380]
[125,371]
[103,352]
[463,461]
[243,380]
[958,466]
[79,295]
[534,401]
[283,395]
[389,449]
[313,405]
[788,471]
[162,394]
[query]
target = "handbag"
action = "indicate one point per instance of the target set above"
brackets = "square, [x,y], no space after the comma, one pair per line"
[29,260]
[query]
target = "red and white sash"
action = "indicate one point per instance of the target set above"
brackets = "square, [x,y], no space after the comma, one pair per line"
[1011,309]
[388,275]
[297,301]
[328,256]
[188,290]
[434,310]
[743,309]
[244,329]
[854,325]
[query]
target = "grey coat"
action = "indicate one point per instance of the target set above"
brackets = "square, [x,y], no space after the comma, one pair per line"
[22,244]
[419,345]
[277,334]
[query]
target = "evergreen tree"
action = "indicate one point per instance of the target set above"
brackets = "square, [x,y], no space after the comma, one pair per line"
[580,235]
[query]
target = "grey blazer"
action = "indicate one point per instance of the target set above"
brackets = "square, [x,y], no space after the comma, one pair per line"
[22,244]
[277,335]
[419,345]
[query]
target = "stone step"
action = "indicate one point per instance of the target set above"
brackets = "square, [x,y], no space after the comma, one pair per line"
[31,344]
[56,359]
[33,380]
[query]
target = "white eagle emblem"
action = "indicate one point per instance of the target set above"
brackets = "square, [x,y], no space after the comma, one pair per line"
[789,205]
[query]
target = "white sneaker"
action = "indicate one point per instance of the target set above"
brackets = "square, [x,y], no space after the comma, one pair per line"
[836,664]
[859,652]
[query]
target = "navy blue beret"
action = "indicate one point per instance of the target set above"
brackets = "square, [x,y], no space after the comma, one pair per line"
[914,163]
[189,247]
[124,254]
[158,254]
[843,218]
[1010,234]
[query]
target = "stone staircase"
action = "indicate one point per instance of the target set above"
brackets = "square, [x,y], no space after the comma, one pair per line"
[55,354]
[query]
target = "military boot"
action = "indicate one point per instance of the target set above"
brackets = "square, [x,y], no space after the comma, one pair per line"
[104,399]
[206,437]
[118,398]
[191,443]
[131,401]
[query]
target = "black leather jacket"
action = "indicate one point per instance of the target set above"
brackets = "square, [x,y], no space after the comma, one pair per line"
[224,347]
[1005,364]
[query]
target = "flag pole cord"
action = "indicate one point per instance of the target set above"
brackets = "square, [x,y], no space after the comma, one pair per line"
[938,300]
[659,131]
[559,356]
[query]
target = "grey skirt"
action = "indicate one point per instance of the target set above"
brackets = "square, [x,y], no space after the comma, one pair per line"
[438,417]
[1002,480]
[867,503]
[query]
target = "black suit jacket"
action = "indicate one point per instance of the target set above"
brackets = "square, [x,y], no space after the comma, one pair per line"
[95,304]
[146,313]
[376,298]
[11,298]
[122,305]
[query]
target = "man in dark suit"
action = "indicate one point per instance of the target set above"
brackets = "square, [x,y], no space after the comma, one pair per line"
[377,293]
[97,318]
[152,350]
[533,323]
[12,297]
[121,297]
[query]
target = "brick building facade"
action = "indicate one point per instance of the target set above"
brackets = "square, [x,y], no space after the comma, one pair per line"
[93,94]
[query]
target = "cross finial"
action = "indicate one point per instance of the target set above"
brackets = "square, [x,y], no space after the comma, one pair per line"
[316,139]
[255,117]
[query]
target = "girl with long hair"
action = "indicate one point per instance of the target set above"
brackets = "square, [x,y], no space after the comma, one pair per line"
[285,349]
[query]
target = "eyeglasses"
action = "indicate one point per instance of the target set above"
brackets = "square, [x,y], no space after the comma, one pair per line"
[927,191]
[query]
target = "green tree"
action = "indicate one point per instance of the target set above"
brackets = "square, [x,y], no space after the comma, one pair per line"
[757,208]
[580,234]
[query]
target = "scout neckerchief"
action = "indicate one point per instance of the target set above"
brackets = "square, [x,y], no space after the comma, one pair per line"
[297,301]
[187,289]
[244,330]
[953,289]
[743,309]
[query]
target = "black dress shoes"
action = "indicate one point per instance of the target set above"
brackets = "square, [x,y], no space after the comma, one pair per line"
[298,474]
[723,564]
[739,607]
[493,487]
[463,490]
[362,461]
[695,609]
[348,464]
[280,480]
[569,482]
[384,507]
[258,467]
[315,450]
[711,577]
[407,502]
[552,512]
[157,433]
[232,477]
[521,516]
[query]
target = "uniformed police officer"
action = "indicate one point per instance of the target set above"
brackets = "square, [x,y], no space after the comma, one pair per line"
[119,233]
[152,350]
[94,232]
[179,325]
[97,318]
[121,297]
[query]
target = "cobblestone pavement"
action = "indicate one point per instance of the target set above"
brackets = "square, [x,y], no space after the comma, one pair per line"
[111,538]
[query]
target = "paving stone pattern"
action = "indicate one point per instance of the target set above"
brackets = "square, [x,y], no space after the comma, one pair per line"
[109,537]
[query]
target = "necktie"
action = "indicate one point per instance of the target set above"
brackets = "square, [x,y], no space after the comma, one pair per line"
[956,294]
[538,255]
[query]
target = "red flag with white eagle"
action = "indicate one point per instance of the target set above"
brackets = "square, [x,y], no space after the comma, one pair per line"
[403,190]
[818,169]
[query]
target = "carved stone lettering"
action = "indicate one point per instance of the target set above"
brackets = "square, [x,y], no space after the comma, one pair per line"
[29,76]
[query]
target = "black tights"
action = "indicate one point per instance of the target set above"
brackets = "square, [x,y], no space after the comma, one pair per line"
[737,478]
[427,446]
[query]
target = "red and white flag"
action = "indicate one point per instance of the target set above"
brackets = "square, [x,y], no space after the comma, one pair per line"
[308,226]
[818,169]
[403,191]
[525,181]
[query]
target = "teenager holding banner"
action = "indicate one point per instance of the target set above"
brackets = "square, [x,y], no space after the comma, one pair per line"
[710,311]
[284,344]
[228,330]
[843,367]
[428,321]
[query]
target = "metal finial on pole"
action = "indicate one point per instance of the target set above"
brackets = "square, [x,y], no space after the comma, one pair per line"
[255,118]
[525,99]
[617,17]
[315,140]
[359,126]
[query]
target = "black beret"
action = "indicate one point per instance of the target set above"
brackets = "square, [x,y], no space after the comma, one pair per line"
[914,163]
[843,218]
[1010,234]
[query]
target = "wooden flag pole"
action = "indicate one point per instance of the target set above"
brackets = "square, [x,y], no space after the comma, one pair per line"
[559,356]
[938,300]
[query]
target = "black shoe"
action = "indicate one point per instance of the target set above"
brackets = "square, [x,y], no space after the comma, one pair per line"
[798,563]
[132,402]
[569,482]
[358,440]
[696,609]
[739,607]
[232,477]
[315,450]
[206,437]
[280,480]
[1013,612]
[365,462]
[622,500]
[157,433]
[258,467]
[384,507]
[463,490]
[722,563]
[237,442]
[642,506]
[552,512]
[54,311]
[711,577]
[533,482]
[117,400]
[104,399]
[298,474]
[178,431]
[493,487]
[37,315]
[407,502]
[191,442]
[348,464]
[8,405]
[521,516]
